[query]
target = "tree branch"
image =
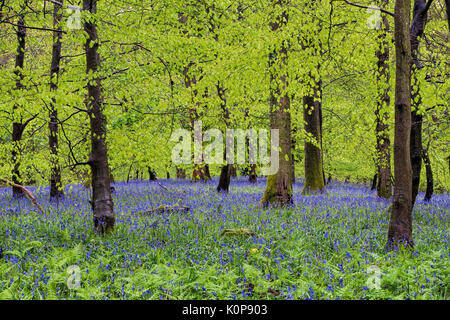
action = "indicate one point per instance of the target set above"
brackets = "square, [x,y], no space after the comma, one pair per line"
[26,191]
[366,7]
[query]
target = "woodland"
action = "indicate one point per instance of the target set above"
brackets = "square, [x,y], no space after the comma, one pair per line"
[95,205]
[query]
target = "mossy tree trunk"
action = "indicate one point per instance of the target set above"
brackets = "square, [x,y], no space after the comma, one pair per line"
[279,185]
[314,175]
[252,178]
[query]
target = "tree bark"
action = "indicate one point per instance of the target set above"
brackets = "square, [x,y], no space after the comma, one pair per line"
[102,203]
[252,178]
[18,126]
[314,175]
[400,224]
[419,21]
[279,185]
[224,180]
[426,161]
[207,173]
[384,187]
[56,190]
[374,182]
[226,171]
[151,174]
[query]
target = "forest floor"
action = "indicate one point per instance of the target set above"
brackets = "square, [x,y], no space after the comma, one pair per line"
[329,246]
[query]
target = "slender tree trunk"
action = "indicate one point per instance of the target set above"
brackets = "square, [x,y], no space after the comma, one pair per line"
[279,185]
[167,174]
[181,173]
[292,159]
[384,187]
[314,175]
[321,130]
[252,178]
[137,174]
[400,225]
[151,174]
[224,180]
[129,172]
[374,182]
[102,203]
[18,126]
[419,21]
[56,190]
[416,139]
[225,172]
[207,173]
[426,161]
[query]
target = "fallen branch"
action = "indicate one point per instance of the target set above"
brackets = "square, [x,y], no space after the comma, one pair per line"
[26,191]
[238,232]
[168,208]
[157,180]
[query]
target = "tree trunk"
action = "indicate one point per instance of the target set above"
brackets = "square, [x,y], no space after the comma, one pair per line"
[415,142]
[252,178]
[129,173]
[279,185]
[314,175]
[426,161]
[233,171]
[374,182]
[224,180]
[151,174]
[226,171]
[419,21]
[207,173]
[293,160]
[384,187]
[18,127]
[102,203]
[181,173]
[321,130]
[56,190]
[400,224]
[292,164]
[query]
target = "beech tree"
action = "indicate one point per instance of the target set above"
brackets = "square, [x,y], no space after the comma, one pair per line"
[384,186]
[279,185]
[102,203]
[400,224]
[312,116]
[418,24]
[56,190]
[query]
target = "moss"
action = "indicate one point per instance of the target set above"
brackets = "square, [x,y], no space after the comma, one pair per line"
[276,197]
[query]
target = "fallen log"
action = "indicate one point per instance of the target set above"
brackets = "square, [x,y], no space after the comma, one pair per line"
[167,208]
[237,232]
[26,191]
